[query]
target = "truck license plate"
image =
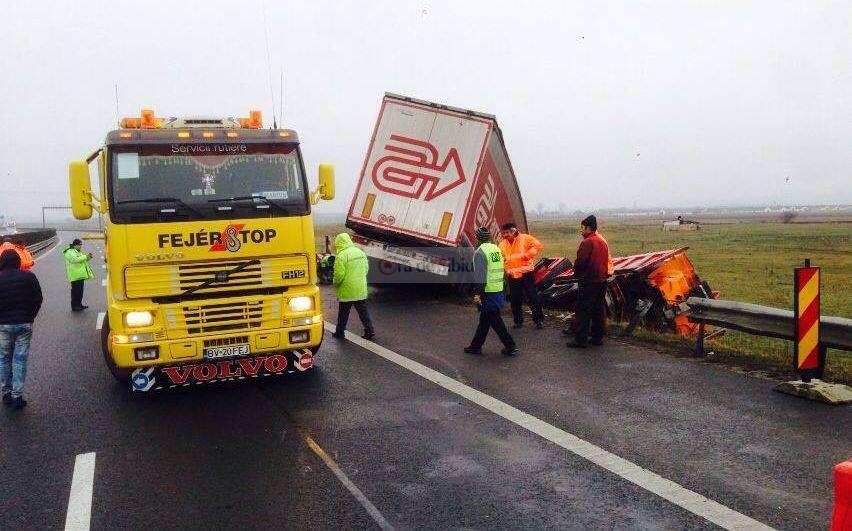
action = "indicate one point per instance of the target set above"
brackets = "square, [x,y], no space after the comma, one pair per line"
[232,351]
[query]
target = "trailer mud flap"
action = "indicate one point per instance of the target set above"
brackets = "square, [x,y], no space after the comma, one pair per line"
[146,379]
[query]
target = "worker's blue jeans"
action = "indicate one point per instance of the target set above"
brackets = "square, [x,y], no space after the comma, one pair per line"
[14,349]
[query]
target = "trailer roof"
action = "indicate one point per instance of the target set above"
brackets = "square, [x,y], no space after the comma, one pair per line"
[441,106]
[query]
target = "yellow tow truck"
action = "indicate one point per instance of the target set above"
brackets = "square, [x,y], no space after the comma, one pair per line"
[209,246]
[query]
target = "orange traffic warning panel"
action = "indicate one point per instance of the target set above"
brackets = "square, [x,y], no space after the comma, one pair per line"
[809,354]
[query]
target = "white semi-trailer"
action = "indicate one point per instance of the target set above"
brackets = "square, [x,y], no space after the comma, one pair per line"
[432,175]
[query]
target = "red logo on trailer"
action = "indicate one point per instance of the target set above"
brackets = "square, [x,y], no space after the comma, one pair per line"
[491,206]
[410,171]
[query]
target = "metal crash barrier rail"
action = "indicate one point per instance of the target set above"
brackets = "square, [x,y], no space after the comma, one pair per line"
[812,334]
[38,247]
[35,241]
[834,332]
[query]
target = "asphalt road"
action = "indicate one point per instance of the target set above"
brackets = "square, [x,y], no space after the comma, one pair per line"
[363,442]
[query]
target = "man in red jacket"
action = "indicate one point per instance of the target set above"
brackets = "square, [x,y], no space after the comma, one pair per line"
[591,269]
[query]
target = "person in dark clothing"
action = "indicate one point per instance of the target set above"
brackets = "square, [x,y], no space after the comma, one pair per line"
[19,304]
[591,269]
[488,285]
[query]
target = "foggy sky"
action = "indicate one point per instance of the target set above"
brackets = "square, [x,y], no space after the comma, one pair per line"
[602,104]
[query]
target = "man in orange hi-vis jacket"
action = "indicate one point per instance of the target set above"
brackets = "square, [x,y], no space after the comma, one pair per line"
[27,261]
[519,252]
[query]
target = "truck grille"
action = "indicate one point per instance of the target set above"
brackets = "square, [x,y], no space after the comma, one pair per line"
[193,275]
[161,280]
[222,317]
[192,319]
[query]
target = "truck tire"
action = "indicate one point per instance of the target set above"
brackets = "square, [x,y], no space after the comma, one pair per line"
[122,375]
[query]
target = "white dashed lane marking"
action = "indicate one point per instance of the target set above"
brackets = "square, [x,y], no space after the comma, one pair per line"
[679,495]
[100,322]
[79,514]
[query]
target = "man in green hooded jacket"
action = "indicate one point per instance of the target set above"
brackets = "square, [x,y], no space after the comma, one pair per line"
[78,271]
[350,284]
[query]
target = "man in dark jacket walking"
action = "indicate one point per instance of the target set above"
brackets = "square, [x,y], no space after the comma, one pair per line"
[19,304]
[591,269]
[488,283]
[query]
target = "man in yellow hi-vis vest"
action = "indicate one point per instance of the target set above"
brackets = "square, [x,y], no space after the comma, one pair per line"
[489,274]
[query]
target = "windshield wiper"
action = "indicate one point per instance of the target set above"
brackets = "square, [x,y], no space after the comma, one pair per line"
[265,199]
[174,200]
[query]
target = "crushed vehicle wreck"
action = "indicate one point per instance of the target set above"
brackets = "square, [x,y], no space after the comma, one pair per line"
[648,289]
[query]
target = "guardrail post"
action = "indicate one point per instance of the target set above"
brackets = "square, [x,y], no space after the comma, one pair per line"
[808,353]
[699,341]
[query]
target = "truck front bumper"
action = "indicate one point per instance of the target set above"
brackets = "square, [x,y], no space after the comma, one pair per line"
[219,346]
[159,377]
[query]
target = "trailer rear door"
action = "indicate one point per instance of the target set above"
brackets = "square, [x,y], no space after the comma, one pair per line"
[419,170]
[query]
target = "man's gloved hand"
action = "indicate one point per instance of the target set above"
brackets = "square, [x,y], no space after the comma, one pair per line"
[477,299]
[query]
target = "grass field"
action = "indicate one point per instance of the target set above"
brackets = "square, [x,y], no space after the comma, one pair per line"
[746,261]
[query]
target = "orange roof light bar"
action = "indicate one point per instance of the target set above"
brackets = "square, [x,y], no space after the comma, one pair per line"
[254,121]
[146,121]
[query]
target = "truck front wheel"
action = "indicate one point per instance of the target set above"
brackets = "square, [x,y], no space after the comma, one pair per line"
[122,375]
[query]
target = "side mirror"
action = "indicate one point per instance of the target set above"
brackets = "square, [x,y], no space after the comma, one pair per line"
[326,181]
[80,187]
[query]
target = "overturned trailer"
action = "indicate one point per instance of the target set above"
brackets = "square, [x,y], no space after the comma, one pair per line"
[433,174]
[648,289]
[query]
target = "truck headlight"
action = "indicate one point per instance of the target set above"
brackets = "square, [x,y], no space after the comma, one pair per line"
[146,353]
[300,336]
[300,304]
[138,319]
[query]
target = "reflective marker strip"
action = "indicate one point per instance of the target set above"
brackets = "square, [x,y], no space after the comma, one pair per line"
[445,224]
[693,502]
[368,206]
[79,515]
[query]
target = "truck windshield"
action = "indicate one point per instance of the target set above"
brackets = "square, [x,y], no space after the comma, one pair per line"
[205,181]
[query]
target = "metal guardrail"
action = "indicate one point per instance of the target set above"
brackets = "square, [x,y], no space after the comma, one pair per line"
[38,247]
[834,332]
